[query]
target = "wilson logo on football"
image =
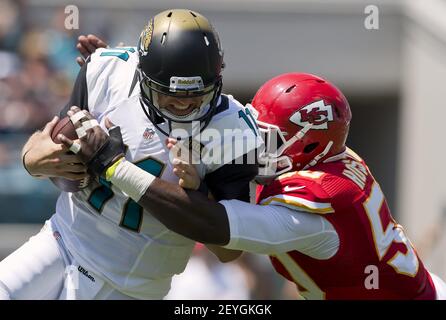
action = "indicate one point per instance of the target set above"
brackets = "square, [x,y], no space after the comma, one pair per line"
[316,113]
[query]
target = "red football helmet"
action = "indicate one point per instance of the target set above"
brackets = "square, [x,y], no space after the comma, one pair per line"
[304,120]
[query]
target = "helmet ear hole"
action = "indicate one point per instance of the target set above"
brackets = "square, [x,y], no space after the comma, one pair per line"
[310,147]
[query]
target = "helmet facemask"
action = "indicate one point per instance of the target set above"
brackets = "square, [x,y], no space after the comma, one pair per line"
[272,161]
[151,96]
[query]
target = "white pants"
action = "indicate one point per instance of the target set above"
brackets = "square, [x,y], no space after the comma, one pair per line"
[44,269]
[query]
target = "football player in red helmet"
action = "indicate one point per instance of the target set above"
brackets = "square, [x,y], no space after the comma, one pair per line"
[304,120]
[320,214]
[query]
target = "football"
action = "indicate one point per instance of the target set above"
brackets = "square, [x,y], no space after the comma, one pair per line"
[66,127]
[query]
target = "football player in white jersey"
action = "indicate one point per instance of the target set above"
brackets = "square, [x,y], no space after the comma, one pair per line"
[100,243]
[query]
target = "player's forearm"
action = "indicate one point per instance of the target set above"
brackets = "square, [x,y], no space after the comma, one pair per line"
[188,213]
[29,143]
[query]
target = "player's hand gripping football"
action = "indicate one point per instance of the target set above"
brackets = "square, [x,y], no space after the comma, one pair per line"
[182,165]
[42,157]
[96,149]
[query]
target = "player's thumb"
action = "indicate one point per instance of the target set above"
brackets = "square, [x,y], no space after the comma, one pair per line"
[50,125]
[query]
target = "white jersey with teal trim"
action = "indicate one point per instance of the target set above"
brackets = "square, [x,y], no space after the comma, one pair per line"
[104,229]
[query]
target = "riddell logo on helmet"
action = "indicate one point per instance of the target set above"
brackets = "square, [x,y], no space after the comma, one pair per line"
[181,81]
[316,113]
[186,83]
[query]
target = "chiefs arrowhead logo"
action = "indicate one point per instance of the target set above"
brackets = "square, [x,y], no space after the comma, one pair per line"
[316,113]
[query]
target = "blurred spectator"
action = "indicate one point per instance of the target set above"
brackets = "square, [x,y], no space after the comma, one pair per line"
[38,69]
[12,24]
[4,155]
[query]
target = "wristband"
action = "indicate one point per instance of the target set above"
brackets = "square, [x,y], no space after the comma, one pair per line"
[131,180]
[111,170]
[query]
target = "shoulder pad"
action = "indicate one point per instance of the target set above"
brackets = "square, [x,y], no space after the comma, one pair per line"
[231,133]
[110,74]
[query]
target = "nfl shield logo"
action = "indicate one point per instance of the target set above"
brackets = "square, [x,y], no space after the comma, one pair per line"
[148,133]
